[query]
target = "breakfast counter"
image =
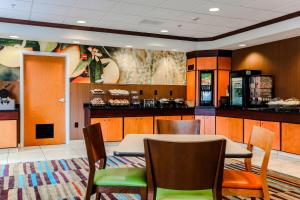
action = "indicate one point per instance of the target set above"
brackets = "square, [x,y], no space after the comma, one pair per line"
[237,124]
[117,122]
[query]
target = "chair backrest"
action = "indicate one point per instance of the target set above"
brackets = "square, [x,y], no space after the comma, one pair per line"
[262,138]
[178,126]
[185,165]
[95,145]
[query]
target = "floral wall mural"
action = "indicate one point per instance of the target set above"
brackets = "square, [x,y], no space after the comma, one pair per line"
[99,64]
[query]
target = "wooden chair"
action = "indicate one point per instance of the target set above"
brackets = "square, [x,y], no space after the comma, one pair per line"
[109,180]
[246,183]
[184,170]
[178,126]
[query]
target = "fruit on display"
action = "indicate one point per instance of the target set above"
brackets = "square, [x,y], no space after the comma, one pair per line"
[281,102]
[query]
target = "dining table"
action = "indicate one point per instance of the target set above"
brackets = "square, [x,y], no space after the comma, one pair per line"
[133,144]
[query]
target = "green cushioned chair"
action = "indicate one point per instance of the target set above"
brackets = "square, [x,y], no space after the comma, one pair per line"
[109,180]
[184,170]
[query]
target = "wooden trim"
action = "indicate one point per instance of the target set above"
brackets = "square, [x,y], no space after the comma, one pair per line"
[135,33]
[209,53]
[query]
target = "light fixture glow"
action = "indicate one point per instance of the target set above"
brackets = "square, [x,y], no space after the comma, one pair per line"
[128,46]
[76,42]
[164,31]
[81,22]
[214,9]
[14,36]
[242,45]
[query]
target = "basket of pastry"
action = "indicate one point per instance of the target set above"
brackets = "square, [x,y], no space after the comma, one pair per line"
[119,102]
[97,102]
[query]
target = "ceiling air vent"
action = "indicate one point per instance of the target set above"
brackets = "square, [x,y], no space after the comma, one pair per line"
[150,22]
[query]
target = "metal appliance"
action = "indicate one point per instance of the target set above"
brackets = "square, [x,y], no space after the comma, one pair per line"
[206,87]
[240,87]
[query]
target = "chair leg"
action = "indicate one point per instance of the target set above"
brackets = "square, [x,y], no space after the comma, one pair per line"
[98,196]
[266,194]
[253,198]
[143,193]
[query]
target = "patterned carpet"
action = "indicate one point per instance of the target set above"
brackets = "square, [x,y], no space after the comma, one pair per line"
[66,179]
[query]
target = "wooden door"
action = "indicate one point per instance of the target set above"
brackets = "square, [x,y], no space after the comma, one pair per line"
[112,128]
[248,126]
[44,93]
[138,125]
[275,128]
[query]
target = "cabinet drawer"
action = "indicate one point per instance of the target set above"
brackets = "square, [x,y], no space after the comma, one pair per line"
[275,128]
[232,128]
[290,138]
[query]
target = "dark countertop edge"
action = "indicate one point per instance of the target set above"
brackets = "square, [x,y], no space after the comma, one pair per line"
[87,105]
[5,111]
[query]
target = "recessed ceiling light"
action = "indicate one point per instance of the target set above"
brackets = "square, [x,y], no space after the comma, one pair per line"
[214,9]
[174,49]
[76,42]
[242,45]
[128,46]
[14,36]
[164,31]
[81,22]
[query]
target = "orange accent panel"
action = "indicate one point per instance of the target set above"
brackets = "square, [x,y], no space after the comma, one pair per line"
[223,84]
[197,88]
[210,125]
[191,61]
[191,86]
[290,137]
[206,63]
[44,85]
[230,127]
[248,125]
[138,125]
[188,117]
[275,127]
[176,117]
[112,128]
[8,133]
[207,124]
[202,123]
[224,63]
[241,180]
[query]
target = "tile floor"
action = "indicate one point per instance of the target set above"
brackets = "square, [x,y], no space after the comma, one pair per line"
[281,162]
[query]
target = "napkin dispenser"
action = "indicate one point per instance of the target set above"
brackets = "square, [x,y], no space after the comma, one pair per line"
[7,104]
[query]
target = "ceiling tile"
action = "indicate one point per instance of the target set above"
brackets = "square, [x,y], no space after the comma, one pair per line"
[102,5]
[132,9]
[17,5]
[145,2]
[86,13]
[183,5]
[50,9]
[259,4]
[46,17]
[291,7]
[58,2]
[165,13]
[16,14]
[90,22]
[121,18]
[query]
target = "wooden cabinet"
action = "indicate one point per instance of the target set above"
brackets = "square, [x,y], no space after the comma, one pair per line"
[224,63]
[290,138]
[223,84]
[175,117]
[188,117]
[112,128]
[207,124]
[232,128]
[138,125]
[248,125]
[273,126]
[8,133]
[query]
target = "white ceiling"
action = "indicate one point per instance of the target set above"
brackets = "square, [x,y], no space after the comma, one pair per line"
[127,14]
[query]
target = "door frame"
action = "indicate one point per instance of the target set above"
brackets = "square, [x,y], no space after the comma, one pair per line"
[67,91]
